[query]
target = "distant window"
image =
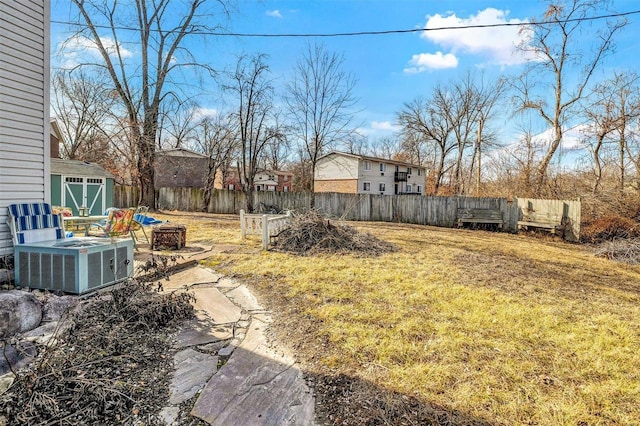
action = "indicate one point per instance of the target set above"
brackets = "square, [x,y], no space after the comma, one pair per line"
[285,189]
[231,187]
[383,167]
[381,186]
[419,189]
[366,186]
[409,188]
[367,165]
[419,172]
[397,168]
[272,177]
[408,170]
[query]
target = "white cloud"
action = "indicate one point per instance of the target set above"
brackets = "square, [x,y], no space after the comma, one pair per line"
[383,125]
[205,112]
[80,49]
[571,138]
[274,13]
[430,61]
[497,44]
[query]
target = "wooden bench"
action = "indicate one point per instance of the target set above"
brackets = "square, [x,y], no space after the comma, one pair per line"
[491,216]
[544,221]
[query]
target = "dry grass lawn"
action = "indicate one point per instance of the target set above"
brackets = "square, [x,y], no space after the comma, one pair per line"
[487,327]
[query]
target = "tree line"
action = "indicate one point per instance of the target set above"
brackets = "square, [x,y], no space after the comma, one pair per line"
[118,111]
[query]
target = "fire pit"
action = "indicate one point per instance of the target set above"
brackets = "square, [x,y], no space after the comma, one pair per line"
[167,236]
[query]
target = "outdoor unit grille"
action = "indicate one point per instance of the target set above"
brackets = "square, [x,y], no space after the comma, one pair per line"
[73,266]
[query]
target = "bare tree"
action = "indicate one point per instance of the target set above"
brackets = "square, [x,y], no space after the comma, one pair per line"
[319,99]
[253,117]
[423,122]
[81,104]
[176,123]
[162,28]
[216,138]
[554,44]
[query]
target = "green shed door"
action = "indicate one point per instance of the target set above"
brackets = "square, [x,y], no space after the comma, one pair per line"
[84,192]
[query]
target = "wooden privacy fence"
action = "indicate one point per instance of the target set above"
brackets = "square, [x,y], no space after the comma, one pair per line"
[415,209]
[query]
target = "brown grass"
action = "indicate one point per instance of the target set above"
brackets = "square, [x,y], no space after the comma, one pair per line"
[481,327]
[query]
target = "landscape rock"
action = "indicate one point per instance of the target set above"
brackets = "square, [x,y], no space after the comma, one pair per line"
[20,311]
[56,306]
[16,356]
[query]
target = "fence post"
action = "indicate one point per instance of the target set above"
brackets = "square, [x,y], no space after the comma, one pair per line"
[265,232]
[243,230]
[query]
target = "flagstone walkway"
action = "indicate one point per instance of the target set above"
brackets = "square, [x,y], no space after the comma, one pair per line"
[225,359]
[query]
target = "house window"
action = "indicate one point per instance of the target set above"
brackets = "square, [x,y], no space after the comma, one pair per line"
[419,172]
[409,188]
[408,170]
[366,186]
[383,167]
[272,177]
[285,189]
[231,187]
[419,189]
[367,165]
[381,186]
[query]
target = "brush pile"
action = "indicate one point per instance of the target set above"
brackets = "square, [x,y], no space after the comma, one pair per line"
[111,365]
[625,250]
[311,233]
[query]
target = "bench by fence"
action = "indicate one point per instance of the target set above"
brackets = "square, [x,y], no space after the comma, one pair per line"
[552,222]
[266,225]
[475,216]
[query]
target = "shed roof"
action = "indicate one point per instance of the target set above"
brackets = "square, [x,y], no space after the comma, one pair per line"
[77,168]
[180,152]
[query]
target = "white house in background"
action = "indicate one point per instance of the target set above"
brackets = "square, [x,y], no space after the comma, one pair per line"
[360,174]
[24,107]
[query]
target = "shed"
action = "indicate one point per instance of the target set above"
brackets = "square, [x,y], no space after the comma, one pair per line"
[77,184]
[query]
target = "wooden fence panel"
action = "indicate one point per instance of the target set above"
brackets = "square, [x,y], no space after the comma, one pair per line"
[125,196]
[433,210]
[568,210]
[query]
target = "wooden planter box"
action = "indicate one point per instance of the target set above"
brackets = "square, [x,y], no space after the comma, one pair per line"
[168,236]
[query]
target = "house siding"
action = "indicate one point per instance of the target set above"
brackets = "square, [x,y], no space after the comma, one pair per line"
[345,186]
[24,107]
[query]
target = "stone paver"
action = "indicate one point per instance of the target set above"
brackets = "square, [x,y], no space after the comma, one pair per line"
[220,309]
[243,297]
[189,277]
[257,387]
[193,370]
[197,333]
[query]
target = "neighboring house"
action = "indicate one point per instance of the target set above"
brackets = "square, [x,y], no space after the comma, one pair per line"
[24,108]
[360,174]
[265,180]
[180,168]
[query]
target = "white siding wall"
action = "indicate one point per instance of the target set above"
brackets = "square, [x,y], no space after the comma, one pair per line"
[337,167]
[24,106]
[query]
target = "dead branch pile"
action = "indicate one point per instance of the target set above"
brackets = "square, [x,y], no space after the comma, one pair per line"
[609,228]
[111,366]
[621,250]
[311,233]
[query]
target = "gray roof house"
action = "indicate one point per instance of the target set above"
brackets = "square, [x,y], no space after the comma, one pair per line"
[24,107]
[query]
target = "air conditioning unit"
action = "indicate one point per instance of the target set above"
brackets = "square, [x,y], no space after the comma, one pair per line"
[74,265]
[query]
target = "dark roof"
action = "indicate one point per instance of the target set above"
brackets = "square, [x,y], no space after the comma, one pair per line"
[180,152]
[77,168]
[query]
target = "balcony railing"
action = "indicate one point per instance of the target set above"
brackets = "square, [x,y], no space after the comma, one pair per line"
[400,176]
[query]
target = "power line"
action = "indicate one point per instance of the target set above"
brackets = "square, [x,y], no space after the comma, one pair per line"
[381,32]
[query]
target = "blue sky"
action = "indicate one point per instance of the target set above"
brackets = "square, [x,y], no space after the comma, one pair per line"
[390,69]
